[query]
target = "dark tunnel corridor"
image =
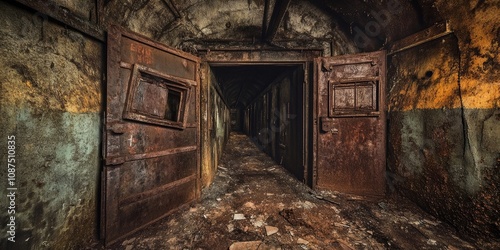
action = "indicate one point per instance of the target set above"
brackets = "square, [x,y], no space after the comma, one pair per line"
[306,124]
[265,102]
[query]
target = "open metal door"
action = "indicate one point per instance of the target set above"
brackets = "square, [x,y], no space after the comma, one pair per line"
[350,124]
[151,133]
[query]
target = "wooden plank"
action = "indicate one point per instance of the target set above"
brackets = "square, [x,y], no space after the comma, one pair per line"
[427,35]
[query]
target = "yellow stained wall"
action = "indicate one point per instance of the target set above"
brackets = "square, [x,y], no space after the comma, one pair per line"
[476,26]
[444,120]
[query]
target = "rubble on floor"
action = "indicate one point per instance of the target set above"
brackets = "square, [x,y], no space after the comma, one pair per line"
[255,204]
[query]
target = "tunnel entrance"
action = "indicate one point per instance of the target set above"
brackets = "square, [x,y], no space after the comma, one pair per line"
[266,102]
[171,117]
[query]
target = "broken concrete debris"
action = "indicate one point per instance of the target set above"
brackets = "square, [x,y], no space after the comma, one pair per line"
[247,245]
[281,213]
[239,217]
[270,230]
[302,241]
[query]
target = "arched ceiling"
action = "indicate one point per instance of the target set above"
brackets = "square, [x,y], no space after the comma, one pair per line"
[336,27]
[368,24]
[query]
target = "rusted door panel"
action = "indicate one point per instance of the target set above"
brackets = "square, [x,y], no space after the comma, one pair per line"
[144,141]
[138,208]
[151,147]
[134,51]
[350,118]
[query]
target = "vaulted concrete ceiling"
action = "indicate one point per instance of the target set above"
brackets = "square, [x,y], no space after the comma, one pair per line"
[347,26]
[370,24]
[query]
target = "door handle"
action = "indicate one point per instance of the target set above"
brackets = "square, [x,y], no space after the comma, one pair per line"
[329,125]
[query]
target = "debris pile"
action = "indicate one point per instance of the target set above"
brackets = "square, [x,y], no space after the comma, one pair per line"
[255,204]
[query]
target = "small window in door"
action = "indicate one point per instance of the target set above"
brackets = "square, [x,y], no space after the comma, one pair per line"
[156,98]
[353,98]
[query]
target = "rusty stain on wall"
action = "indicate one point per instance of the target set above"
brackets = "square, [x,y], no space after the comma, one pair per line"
[215,126]
[50,67]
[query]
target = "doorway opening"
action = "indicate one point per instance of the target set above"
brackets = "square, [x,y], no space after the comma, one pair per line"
[266,102]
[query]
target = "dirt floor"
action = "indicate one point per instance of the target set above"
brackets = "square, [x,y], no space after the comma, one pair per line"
[255,204]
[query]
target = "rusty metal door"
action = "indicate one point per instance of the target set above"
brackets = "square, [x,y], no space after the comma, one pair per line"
[151,133]
[349,134]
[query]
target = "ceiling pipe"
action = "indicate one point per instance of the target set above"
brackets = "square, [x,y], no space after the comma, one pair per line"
[264,20]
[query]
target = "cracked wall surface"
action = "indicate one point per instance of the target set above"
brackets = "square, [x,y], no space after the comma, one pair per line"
[444,117]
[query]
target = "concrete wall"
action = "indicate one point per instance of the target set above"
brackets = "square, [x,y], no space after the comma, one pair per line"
[444,121]
[443,106]
[215,126]
[50,100]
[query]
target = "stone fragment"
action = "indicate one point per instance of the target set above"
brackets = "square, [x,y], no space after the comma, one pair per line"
[249,205]
[258,223]
[308,205]
[431,242]
[239,217]
[230,227]
[246,245]
[270,230]
[302,241]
